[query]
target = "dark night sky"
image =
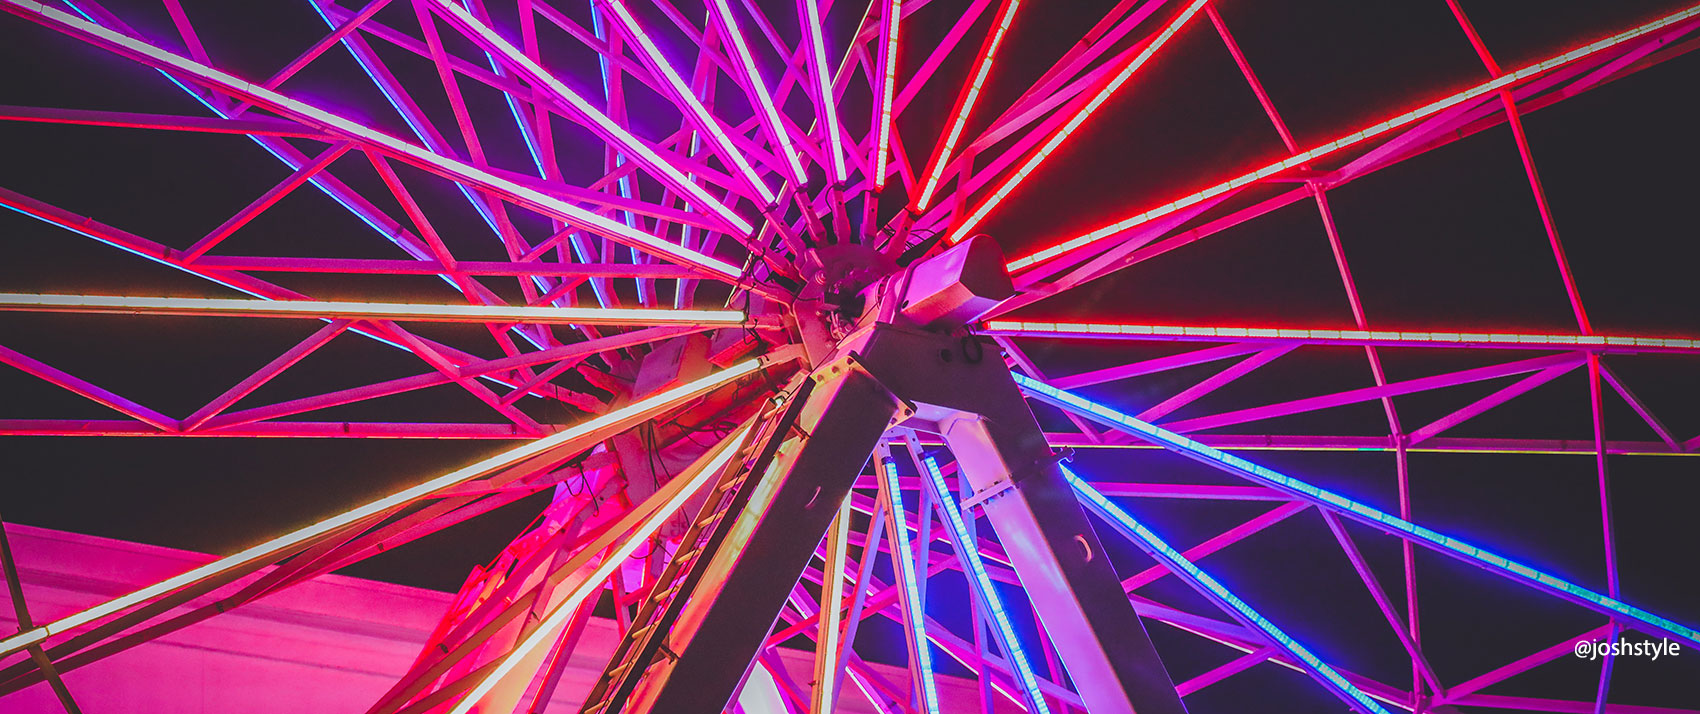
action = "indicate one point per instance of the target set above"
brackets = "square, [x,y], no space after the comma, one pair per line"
[1450,239]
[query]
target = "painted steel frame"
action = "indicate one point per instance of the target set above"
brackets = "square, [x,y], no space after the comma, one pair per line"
[702,199]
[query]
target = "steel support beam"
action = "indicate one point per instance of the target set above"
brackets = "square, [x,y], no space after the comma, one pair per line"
[744,585]
[969,392]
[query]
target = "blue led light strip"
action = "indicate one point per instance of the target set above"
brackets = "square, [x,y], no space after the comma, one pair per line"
[1202,581]
[981,584]
[903,560]
[1360,512]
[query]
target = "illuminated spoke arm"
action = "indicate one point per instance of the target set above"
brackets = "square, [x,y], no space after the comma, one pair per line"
[903,561]
[826,105]
[830,643]
[576,105]
[103,304]
[965,101]
[1360,512]
[88,390]
[625,537]
[985,594]
[575,438]
[1209,587]
[1374,131]
[965,227]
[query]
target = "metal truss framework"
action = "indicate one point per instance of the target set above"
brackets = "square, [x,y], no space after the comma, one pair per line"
[767,267]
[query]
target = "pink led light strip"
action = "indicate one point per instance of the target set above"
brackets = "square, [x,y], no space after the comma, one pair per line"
[1017,328]
[582,434]
[769,114]
[597,121]
[887,90]
[1351,139]
[333,123]
[658,63]
[965,105]
[963,229]
[114,304]
[825,106]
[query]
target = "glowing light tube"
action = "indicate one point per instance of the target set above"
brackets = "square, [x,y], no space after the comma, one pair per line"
[1351,139]
[829,637]
[108,304]
[658,63]
[592,582]
[903,559]
[981,583]
[1360,512]
[965,105]
[412,153]
[826,106]
[1074,122]
[601,122]
[1393,338]
[1175,561]
[764,99]
[594,429]
[887,90]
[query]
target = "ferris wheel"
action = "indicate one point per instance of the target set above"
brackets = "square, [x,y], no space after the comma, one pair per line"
[810,315]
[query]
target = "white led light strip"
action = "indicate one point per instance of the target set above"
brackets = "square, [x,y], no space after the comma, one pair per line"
[814,33]
[599,427]
[23,302]
[459,170]
[592,582]
[1427,338]
[718,133]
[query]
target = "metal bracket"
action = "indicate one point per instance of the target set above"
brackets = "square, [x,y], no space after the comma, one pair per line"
[1003,485]
[851,362]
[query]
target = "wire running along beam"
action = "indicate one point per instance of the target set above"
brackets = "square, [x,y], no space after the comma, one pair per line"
[135,305]
[1358,511]
[592,430]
